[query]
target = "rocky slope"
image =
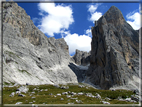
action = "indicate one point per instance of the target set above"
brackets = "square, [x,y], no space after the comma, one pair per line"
[114,52]
[81,57]
[28,55]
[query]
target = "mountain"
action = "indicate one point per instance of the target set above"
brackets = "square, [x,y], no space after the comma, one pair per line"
[81,57]
[28,55]
[114,52]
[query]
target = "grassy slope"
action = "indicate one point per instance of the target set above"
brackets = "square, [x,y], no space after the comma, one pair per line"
[44,97]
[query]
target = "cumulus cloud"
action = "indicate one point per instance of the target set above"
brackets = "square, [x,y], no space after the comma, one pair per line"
[75,41]
[94,14]
[88,32]
[54,18]
[133,19]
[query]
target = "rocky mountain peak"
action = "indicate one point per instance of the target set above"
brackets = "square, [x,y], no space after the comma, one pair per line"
[114,56]
[112,16]
[81,57]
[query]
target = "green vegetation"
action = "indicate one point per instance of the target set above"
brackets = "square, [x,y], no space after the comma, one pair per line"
[11,54]
[8,83]
[43,95]
[24,71]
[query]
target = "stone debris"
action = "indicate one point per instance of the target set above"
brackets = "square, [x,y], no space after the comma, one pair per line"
[73,93]
[128,99]
[33,97]
[104,102]
[58,94]
[80,93]
[34,105]
[50,94]
[74,98]
[79,101]
[64,93]
[98,96]
[12,94]
[18,92]
[62,99]
[112,89]
[46,90]
[135,98]
[57,86]
[108,99]
[41,90]
[30,102]
[90,95]
[21,95]
[33,92]
[68,96]
[81,86]
[23,89]
[70,103]
[18,103]
[64,87]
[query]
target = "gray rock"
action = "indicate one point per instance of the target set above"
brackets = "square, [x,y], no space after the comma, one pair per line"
[114,59]
[28,55]
[21,95]
[18,103]
[68,96]
[79,101]
[98,96]
[62,98]
[23,89]
[12,94]
[128,99]
[135,98]
[64,93]
[58,94]
[80,93]
[46,90]
[104,102]
[50,94]
[17,92]
[74,98]
[82,57]
[73,93]
[89,95]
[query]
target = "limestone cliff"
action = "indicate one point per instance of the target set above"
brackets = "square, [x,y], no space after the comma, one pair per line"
[28,55]
[114,52]
[82,57]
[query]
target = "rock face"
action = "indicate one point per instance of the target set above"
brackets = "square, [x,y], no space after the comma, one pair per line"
[114,52]
[28,55]
[81,57]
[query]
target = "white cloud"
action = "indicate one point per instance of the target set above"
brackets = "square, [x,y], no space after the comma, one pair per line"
[88,32]
[133,19]
[57,17]
[94,14]
[75,41]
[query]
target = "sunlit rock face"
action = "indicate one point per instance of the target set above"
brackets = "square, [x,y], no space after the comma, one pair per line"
[28,55]
[114,57]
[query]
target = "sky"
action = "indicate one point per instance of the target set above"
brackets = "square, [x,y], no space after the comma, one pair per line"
[73,21]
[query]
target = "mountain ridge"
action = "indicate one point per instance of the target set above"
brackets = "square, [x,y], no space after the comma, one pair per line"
[30,57]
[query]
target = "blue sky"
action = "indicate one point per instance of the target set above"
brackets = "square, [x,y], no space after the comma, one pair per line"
[73,21]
